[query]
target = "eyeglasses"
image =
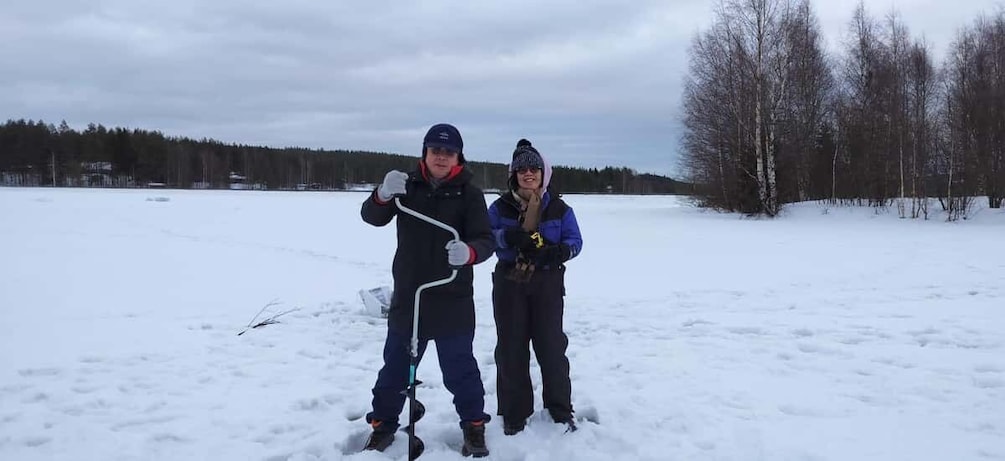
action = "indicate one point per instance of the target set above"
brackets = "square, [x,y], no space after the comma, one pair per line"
[442,151]
[528,169]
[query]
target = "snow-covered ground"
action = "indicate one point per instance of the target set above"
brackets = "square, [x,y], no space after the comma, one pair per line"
[845,335]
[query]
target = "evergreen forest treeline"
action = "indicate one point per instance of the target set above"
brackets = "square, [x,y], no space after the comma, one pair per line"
[35,153]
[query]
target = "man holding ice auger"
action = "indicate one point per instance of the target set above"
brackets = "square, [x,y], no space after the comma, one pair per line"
[439,188]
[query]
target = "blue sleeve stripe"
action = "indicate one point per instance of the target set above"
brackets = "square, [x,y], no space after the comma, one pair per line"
[497,227]
[570,233]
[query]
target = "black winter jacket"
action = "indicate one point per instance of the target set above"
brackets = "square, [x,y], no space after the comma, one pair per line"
[421,255]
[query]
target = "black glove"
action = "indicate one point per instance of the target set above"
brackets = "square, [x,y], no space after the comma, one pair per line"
[518,239]
[553,255]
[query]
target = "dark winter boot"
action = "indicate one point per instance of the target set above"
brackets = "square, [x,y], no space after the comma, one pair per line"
[474,439]
[570,423]
[513,427]
[379,439]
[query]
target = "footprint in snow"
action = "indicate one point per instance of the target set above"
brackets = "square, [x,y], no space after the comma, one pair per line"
[166,437]
[37,397]
[802,333]
[989,382]
[310,404]
[987,368]
[36,441]
[39,372]
[748,331]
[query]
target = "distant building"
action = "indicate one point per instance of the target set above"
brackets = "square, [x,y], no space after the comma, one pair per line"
[237,182]
[360,187]
[96,174]
[240,182]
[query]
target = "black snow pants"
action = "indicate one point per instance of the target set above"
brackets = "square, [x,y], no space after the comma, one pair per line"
[525,313]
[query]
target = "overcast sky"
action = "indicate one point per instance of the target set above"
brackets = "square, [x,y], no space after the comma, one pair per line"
[591,83]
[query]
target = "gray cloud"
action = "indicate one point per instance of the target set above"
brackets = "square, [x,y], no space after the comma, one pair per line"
[592,83]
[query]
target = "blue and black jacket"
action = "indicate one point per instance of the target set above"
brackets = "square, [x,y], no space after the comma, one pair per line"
[558,225]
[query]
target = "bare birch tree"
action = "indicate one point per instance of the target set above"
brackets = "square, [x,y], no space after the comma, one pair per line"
[804,144]
[922,83]
[975,96]
[754,103]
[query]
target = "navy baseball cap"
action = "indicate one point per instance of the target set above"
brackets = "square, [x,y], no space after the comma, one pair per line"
[444,135]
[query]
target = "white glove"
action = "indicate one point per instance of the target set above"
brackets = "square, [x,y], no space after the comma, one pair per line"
[458,253]
[394,184]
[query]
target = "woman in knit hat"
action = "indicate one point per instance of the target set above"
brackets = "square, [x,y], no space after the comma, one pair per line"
[536,233]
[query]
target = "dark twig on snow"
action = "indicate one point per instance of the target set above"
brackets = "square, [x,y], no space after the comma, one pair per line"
[268,320]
